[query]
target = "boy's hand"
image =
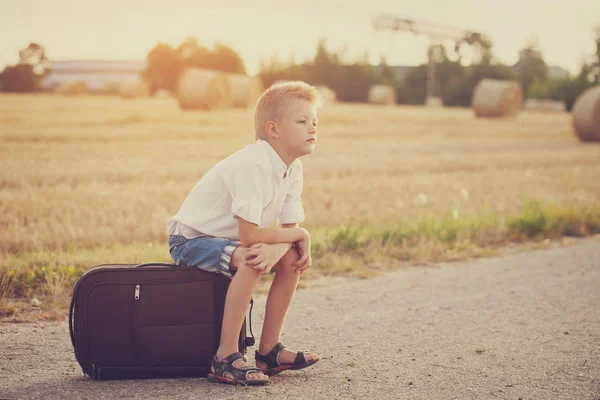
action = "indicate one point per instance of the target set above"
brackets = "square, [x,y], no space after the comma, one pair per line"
[303,247]
[263,257]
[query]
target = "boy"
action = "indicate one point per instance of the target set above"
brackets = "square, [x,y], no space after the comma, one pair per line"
[223,227]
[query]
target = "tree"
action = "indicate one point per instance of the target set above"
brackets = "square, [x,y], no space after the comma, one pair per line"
[27,75]
[35,55]
[385,74]
[462,92]
[570,88]
[165,63]
[351,82]
[595,63]
[448,76]
[221,58]
[531,67]
[354,82]
[325,66]
[163,68]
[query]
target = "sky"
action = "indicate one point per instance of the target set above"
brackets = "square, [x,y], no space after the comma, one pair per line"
[127,29]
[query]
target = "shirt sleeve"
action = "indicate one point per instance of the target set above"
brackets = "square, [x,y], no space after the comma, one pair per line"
[293,211]
[247,187]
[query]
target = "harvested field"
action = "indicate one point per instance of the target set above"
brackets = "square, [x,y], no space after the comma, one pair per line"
[94,171]
[84,178]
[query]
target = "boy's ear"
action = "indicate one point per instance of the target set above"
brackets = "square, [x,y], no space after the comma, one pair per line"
[272,129]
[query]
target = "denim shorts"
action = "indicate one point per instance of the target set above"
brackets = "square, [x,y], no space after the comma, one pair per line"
[212,254]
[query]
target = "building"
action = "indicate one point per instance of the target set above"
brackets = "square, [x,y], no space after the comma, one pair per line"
[95,74]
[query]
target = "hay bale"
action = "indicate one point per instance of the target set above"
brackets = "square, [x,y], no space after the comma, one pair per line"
[109,88]
[163,94]
[79,87]
[497,98]
[245,89]
[72,88]
[62,88]
[327,94]
[434,102]
[203,89]
[586,115]
[134,89]
[382,94]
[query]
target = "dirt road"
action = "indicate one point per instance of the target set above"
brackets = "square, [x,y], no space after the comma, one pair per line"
[525,326]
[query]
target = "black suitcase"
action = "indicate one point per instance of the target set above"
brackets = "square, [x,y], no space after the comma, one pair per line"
[149,320]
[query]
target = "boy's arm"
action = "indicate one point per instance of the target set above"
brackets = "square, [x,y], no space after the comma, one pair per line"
[251,234]
[285,246]
[263,257]
[303,249]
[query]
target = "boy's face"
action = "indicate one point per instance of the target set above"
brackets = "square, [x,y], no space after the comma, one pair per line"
[298,129]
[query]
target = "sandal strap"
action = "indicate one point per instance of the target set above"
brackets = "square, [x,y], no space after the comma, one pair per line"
[242,373]
[272,357]
[224,366]
[278,347]
[231,358]
[300,359]
[249,369]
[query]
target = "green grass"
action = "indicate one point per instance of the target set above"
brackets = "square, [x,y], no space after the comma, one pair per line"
[358,252]
[450,238]
[554,221]
[27,273]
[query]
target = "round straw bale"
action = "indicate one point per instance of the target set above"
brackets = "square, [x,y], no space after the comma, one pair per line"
[327,93]
[586,115]
[497,98]
[134,89]
[434,102]
[163,94]
[245,89]
[203,89]
[382,94]
[109,88]
[72,88]
[62,88]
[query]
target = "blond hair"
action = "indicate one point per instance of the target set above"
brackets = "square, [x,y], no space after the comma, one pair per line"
[272,105]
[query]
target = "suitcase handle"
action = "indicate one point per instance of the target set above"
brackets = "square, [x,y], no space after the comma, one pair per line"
[250,341]
[71,327]
[154,264]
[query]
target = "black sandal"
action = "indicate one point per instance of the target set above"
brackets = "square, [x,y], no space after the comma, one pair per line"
[271,360]
[236,376]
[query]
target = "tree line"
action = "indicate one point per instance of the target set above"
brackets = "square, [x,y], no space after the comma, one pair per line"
[350,80]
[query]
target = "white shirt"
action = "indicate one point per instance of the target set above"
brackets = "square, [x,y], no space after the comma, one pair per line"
[252,183]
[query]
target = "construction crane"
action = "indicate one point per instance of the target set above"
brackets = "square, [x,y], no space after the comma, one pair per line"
[436,33]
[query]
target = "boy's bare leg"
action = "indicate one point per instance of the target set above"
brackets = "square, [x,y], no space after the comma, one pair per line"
[279,299]
[236,304]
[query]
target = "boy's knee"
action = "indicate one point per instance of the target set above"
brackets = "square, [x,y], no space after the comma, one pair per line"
[288,259]
[238,261]
[247,273]
[291,256]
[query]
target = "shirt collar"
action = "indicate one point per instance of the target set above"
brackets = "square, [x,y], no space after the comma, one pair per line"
[279,167]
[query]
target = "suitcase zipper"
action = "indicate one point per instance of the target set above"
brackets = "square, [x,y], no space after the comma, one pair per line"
[137,292]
